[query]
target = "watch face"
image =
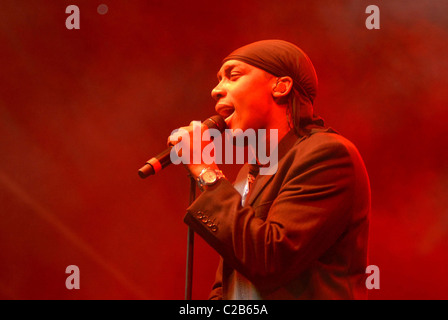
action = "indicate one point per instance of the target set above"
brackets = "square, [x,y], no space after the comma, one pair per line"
[209,176]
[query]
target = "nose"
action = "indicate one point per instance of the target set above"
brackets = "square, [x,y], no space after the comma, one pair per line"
[218,92]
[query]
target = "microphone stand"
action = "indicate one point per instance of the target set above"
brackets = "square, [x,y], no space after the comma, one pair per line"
[190,247]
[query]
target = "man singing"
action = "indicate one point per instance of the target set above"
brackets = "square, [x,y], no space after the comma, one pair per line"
[300,232]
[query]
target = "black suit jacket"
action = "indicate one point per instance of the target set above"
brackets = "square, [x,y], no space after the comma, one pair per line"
[303,232]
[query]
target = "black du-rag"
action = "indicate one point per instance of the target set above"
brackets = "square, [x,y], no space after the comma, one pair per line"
[281,58]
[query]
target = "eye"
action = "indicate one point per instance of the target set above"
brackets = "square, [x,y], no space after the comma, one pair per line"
[234,75]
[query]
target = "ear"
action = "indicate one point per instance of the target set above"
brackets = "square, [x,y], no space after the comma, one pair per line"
[282,87]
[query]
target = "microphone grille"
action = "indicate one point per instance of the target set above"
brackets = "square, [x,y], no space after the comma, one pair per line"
[216,122]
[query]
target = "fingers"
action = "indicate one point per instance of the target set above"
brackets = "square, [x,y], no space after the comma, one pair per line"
[188,145]
[176,135]
[170,143]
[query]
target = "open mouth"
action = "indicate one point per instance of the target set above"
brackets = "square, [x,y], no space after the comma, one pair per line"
[224,110]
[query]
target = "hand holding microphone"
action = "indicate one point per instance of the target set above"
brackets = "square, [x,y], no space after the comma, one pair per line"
[163,159]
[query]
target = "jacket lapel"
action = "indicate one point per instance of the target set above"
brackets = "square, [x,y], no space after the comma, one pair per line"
[260,182]
[288,141]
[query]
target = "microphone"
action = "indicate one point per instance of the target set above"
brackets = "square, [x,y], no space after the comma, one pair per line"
[163,159]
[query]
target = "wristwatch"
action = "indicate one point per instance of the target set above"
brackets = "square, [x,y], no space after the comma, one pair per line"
[209,177]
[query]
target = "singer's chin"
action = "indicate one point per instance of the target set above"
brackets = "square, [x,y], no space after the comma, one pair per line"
[229,121]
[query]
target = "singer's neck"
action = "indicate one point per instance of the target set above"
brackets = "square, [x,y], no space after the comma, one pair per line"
[281,125]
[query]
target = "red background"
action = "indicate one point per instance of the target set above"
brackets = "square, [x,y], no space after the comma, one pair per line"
[82,110]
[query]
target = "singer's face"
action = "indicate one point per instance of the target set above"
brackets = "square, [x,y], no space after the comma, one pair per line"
[244,95]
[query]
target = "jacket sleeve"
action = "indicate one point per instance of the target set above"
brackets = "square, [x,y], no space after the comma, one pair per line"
[216,293]
[310,211]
